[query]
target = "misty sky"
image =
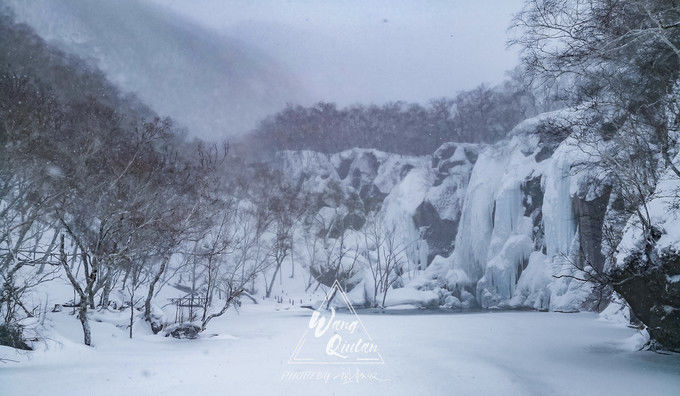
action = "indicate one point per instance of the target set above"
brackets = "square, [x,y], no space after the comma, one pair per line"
[218,67]
[370,50]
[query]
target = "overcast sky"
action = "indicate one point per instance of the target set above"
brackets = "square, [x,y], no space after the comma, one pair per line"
[352,51]
[218,67]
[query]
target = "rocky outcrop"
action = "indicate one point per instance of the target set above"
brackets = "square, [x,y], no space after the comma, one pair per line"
[646,269]
[513,225]
[438,216]
[435,199]
[532,201]
[183,331]
[439,233]
[589,215]
[528,221]
[649,281]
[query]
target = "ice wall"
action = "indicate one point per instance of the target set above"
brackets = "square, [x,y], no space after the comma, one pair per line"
[494,240]
[495,226]
[519,230]
[558,217]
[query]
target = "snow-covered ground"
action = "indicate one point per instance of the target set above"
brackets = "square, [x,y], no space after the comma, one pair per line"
[513,353]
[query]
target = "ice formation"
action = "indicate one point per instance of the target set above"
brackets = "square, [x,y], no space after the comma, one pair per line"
[491,226]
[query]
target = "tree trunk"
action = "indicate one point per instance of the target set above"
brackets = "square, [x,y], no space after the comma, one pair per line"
[375,296]
[384,297]
[82,316]
[206,301]
[271,283]
[90,298]
[82,311]
[328,303]
[106,291]
[225,307]
[309,281]
[132,311]
[90,279]
[147,304]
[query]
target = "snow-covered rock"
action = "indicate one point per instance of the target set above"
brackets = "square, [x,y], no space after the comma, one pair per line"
[420,196]
[646,272]
[491,226]
[527,217]
[183,330]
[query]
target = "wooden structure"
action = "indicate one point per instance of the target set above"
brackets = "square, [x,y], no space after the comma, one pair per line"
[191,303]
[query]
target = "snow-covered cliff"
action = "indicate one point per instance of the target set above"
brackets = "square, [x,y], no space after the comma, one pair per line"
[421,197]
[521,226]
[491,226]
[646,271]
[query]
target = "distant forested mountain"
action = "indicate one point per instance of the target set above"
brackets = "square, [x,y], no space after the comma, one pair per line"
[481,115]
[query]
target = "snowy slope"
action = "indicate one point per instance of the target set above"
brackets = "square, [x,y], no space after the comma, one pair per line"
[217,86]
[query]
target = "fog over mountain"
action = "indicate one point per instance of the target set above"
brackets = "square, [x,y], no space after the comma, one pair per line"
[353,51]
[219,67]
[214,84]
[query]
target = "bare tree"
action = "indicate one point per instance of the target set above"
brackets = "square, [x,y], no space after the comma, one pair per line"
[285,210]
[383,256]
[623,58]
[236,267]
[138,275]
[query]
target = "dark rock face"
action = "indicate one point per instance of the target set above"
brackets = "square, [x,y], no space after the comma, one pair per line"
[365,169]
[471,154]
[444,169]
[590,217]
[551,133]
[372,162]
[156,319]
[354,221]
[532,200]
[649,281]
[443,152]
[328,275]
[183,330]
[545,153]
[337,228]
[156,326]
[443,163]
[343,168]
[438,161]
[356,178]
[404,171]
[372,197]
[440,234]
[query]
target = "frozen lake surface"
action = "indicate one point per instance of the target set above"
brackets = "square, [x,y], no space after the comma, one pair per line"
[514,353]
